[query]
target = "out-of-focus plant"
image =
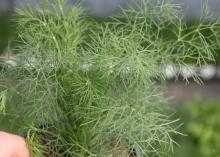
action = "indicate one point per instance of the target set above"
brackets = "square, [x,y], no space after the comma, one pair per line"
[201,126]
[205,127]
[4,30]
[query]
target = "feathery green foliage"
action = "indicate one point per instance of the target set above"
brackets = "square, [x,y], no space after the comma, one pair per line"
[3,101]
[85,83]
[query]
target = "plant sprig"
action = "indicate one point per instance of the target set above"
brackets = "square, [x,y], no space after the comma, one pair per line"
[93,81]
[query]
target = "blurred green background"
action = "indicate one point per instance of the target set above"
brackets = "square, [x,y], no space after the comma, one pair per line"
[201,125]
[6,30]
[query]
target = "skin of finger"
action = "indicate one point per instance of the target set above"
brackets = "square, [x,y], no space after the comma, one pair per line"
[22,153]
[22,150]
[13,146]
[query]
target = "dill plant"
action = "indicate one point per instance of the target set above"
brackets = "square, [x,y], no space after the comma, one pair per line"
[81,83]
